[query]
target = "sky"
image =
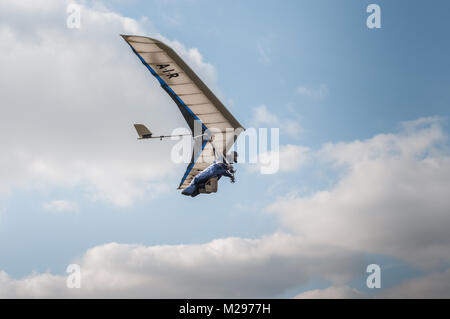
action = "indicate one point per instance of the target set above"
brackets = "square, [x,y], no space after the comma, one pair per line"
[364,154]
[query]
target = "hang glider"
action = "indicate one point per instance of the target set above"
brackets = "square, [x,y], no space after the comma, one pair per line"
[195,101]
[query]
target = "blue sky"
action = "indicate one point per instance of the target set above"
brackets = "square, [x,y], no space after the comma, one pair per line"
[312,63]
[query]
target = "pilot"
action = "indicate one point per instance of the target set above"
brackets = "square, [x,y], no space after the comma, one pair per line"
[216,169]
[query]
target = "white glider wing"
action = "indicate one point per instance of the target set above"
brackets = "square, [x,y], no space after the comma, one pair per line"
[194,99]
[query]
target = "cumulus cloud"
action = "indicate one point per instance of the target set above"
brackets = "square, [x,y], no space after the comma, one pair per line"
[70,97]
[227,268]
[292,157]
[434,285]
[289,158]
[391,200]
[262,117]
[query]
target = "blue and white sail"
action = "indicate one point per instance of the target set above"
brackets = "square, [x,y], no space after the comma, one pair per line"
[194,99]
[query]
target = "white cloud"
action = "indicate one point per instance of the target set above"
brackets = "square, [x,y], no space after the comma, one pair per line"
[291,157]
[230,267]
[312,92]
[60,206]
[69,101]
[434,285]
[33,286]
[393,199]
[262,117]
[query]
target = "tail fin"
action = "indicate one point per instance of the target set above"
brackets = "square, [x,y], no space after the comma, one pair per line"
[142,131]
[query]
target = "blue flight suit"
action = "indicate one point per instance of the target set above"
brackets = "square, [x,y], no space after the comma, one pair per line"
[216,169]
